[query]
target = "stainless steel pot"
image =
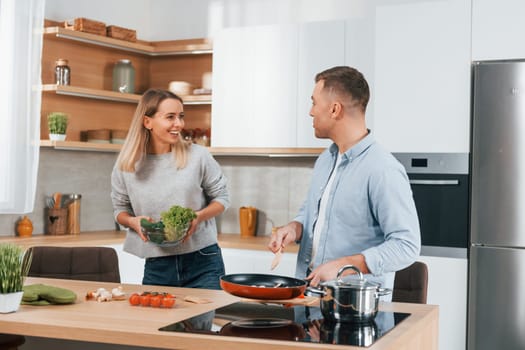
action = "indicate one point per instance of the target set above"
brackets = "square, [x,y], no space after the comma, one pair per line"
[353,300]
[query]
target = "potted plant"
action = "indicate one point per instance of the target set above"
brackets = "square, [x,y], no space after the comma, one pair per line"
[14,266]
[57,124]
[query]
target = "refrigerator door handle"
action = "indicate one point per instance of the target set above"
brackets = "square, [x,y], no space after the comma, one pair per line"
[434,182]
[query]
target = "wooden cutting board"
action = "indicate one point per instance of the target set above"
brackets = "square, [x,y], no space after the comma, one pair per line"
[307,301]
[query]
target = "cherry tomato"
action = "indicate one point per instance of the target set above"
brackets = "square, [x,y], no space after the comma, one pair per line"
[145,299]
[168,302]
[168,295]
[155,300]
[134,299]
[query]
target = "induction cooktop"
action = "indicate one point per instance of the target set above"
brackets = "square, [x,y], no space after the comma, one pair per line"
[289,323]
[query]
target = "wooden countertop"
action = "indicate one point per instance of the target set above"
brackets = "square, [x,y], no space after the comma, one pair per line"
[117,322]
[100,238]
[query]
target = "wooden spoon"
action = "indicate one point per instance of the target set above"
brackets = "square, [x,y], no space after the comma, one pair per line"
[57,196]
[277,259]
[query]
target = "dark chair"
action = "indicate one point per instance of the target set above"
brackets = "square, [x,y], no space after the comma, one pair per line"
[411,284]
[78,263]
[11,341]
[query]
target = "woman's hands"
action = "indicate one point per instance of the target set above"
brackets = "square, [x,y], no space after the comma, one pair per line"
[212,210]
[193,226]
[133,222]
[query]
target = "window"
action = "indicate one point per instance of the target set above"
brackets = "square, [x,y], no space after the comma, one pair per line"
[21,24]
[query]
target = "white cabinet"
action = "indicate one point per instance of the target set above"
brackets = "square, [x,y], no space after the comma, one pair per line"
[321,46]
[254,87]
[257,261]
[447,287]
[263,80]
[497,29]
[131,267]
[235,261]
[422,76]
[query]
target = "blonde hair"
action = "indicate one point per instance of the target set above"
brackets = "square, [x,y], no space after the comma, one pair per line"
[136,144]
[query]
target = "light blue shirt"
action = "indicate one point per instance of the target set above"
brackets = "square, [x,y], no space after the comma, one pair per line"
[370,210]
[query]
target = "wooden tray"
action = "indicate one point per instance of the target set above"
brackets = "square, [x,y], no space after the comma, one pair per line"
[121,33]
[87,26]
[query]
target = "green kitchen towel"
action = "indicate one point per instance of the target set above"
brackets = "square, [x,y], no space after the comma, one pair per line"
[41,294]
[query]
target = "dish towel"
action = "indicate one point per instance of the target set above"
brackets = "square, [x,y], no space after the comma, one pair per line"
[41,294]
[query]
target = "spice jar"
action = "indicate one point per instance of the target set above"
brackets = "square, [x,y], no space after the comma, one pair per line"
[124,76]
[24,227]
[62,72]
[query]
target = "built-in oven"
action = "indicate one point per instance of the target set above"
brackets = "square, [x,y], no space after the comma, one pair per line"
[440,186]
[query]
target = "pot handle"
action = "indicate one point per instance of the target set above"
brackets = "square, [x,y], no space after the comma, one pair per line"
[314,290]
[348,267]
[383,291]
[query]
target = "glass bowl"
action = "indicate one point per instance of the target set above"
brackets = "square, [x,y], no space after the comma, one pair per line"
[159,237]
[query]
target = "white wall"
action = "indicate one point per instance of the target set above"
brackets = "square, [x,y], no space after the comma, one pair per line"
[202,18]
[132,14]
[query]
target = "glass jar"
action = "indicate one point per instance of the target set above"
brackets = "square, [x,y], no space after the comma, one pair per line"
[62,72]
[124,76]
[73,215]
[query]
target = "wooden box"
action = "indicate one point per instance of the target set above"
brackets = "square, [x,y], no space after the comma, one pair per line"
[121,33]
[87,26]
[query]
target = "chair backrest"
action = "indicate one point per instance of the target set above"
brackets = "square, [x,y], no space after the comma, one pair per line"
[80,263]
[411,284]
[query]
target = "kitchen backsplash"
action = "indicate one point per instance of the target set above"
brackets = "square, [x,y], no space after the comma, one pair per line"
[275,186]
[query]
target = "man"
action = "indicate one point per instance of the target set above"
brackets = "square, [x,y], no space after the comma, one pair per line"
[359,209]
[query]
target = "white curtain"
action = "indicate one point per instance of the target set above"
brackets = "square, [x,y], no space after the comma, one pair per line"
[21,23]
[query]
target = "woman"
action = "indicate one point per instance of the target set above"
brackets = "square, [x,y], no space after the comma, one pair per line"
[157,169]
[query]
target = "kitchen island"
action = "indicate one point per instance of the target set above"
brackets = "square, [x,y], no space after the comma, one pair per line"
[117,322]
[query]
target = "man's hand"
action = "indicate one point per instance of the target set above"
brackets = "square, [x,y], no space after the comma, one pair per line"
[285,235]
[328,271]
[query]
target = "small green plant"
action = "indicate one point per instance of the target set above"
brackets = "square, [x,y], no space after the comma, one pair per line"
[57,122]
[14,266]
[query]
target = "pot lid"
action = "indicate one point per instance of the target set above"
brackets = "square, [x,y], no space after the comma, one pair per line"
[356,281]
[351,283]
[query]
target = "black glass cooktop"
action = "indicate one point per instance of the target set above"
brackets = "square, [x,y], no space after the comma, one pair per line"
[290,323]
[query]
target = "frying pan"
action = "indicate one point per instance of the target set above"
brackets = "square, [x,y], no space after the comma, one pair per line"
[261,286]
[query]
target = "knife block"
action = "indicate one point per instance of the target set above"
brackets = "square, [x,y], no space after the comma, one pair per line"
[56,221]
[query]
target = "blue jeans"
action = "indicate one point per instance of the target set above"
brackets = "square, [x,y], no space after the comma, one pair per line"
[200,269]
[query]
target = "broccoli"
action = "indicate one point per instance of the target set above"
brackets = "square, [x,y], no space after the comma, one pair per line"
[176,222]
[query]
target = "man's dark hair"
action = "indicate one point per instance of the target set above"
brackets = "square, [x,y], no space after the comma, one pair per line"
[346,81]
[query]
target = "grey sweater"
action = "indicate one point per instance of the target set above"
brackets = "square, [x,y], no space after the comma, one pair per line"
[157,184]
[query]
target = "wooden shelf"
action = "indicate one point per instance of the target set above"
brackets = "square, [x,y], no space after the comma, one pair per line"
[161,48]
[114,96]
[81,146]
[91,93]
[216,151]
[266,152]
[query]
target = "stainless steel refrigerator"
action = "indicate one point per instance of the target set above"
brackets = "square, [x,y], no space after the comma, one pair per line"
[496,316]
